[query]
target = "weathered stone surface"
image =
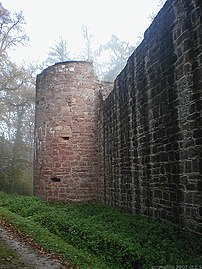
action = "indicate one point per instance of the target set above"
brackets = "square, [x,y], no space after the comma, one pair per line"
[66,133]
[138,147]
[152,121]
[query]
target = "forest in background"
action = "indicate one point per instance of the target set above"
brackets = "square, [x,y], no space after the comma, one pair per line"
[17,92]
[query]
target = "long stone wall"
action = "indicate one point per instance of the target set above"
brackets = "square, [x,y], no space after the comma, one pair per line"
[138,147]
[152,122]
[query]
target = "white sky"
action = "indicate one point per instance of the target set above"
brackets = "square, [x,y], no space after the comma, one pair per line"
[47,20]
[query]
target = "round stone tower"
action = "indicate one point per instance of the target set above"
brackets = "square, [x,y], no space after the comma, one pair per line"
[66,157]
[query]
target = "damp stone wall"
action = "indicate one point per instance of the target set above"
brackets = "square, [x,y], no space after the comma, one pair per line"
[138,147]
[66,133]
[152,122]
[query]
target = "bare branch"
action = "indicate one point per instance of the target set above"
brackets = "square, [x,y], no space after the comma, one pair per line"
[11,30]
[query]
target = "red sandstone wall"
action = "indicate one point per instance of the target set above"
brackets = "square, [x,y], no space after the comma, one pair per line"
[150,125]
[105,89]
[65,165]
[153,121]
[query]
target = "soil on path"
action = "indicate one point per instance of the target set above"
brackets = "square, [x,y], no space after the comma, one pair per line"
[29,256]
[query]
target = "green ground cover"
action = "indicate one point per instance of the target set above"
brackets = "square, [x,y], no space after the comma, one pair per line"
[92,235]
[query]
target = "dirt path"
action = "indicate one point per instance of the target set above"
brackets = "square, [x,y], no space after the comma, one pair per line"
[29,255]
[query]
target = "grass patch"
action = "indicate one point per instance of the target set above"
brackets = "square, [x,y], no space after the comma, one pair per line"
[78,258]
[97,236]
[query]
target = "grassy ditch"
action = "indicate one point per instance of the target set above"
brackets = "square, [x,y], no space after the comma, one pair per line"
[97,236]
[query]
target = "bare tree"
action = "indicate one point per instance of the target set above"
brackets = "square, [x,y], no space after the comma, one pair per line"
[11,30]
[17,121]
[58,53]
[88,39]
[16,108]
[118,53]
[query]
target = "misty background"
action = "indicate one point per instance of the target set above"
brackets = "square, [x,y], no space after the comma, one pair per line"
[35,35]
